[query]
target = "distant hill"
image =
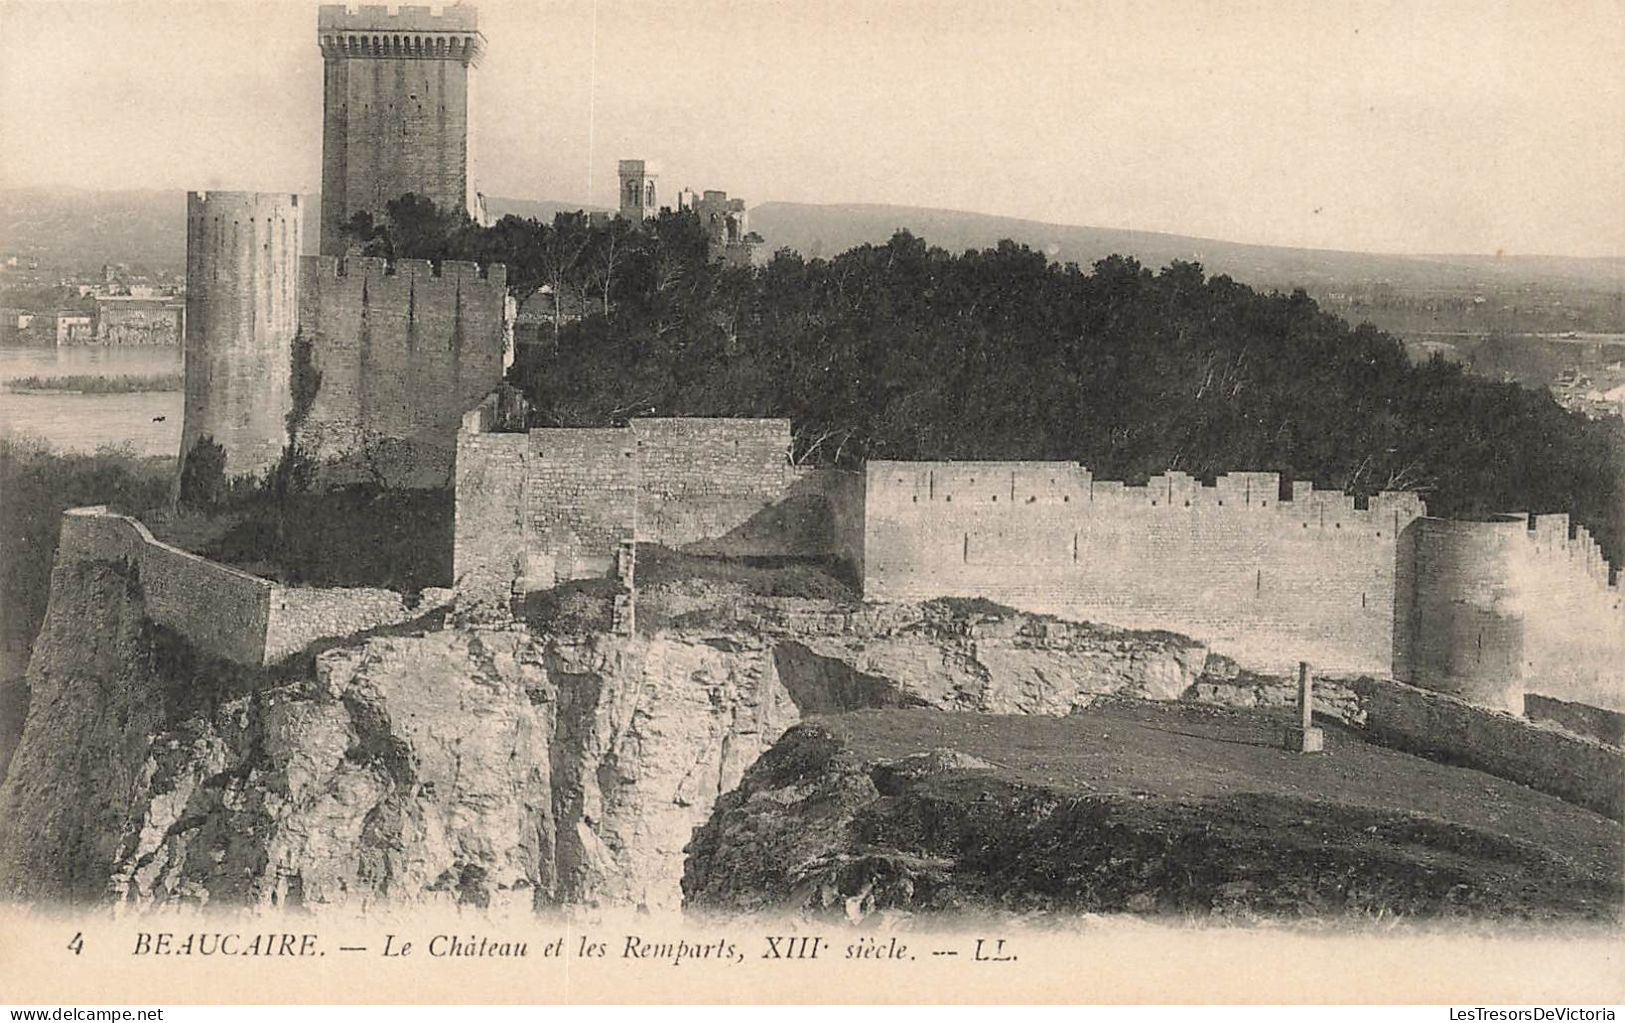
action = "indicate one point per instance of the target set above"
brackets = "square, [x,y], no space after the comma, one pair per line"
[83,229]
[827,230]
[79,229]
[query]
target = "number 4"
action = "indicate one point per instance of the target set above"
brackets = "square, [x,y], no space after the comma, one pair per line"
[78,943]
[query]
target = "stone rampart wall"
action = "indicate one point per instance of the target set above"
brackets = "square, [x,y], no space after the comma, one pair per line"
[1578,770]
[580,501]
[1574,617]
[222,610]
[1581,719]
[1447,728]
[709,479]
[219,609]
[556,504]
[398,352]
[1266,581]
[490,539]
[299,616]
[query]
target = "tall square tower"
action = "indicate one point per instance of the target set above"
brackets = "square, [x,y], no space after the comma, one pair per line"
[638,199]
[395,109]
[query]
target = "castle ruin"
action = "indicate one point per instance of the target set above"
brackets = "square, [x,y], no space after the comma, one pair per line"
[728,237]
[727,225]
[639,200]
[1483,610]
[366,366]
[373,368]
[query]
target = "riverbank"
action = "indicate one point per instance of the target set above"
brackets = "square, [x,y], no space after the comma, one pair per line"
[83,383]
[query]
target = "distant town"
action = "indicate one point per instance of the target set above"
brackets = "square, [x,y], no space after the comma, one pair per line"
[116,305]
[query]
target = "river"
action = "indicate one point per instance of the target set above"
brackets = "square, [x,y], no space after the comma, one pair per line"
[148,422]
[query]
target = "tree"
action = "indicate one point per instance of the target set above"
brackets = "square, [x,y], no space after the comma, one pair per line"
[203,476]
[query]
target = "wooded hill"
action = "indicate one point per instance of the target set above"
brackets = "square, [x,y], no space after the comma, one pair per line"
[906,351]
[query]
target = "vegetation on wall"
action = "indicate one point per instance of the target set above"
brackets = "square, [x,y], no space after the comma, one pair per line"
[907,351]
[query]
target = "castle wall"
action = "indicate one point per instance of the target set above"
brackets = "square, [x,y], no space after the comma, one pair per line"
[704,479]
[138,321]
[1579,770]
[219,609]
[242,309]
[490,541]
[222,610]
[400,351]
[1575,767]
[580,501]
[1574,618]
[846,492]
[553,505]
[298,616]
[1579,718]
[1504,607]
[395,102]
[1267,582]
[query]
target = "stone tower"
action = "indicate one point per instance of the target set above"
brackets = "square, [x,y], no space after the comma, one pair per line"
[395,109]
[242,312]
[1465,628]
[638,198]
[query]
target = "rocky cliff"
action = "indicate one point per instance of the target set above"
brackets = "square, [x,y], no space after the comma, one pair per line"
[468,762]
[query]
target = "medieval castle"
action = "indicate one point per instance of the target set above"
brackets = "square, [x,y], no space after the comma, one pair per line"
[378,367]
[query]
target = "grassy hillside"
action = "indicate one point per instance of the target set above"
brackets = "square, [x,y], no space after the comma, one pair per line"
[1138,807]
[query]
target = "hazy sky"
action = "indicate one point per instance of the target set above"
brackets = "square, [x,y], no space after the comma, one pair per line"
[1404,126]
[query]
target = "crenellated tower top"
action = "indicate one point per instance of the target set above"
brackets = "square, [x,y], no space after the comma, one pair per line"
[406,33]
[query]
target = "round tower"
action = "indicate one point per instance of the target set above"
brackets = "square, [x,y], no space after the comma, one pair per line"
[242,311]
[1466,626]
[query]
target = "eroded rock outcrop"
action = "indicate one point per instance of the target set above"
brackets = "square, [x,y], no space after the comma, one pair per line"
[475,763]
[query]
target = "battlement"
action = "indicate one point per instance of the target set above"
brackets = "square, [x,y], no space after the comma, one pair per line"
[456,17]
[1558,540]
[374,267]
[240,203]
[1020,485]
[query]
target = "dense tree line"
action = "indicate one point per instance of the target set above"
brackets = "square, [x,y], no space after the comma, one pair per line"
[906,351]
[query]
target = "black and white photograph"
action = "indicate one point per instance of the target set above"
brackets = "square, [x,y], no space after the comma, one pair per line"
[698,501]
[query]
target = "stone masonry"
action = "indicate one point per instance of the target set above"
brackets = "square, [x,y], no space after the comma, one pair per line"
[1484,610]
[395,109]
[397,351]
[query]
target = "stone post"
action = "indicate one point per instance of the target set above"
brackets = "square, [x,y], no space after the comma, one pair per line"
[1304,737]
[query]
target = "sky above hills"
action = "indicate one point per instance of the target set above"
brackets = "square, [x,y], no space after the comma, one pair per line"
[1450,126]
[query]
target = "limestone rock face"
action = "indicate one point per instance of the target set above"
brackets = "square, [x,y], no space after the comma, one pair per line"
[476,764]
[483,767]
